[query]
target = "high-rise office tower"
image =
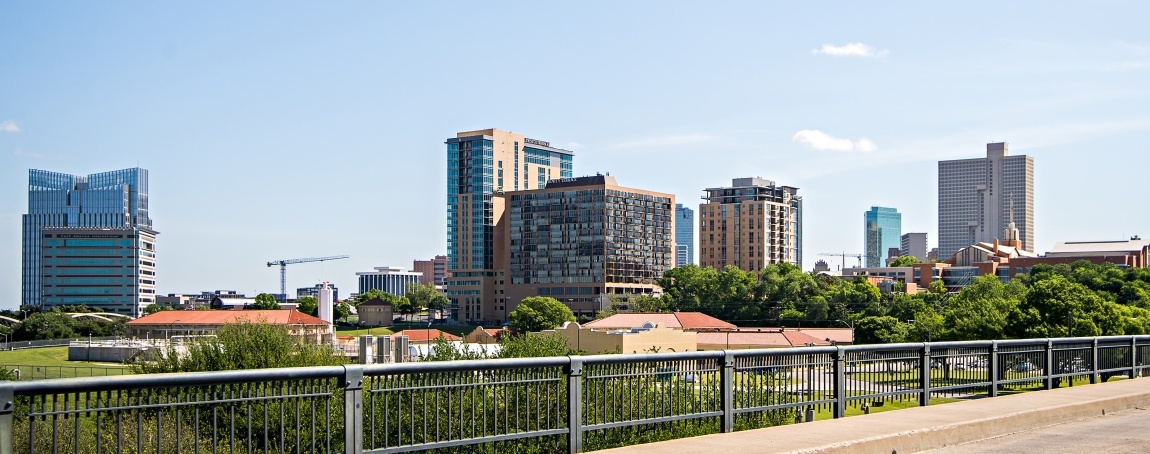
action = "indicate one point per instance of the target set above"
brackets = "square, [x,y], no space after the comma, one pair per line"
[751,224]
[481,164]
[974,198]
[913,245]
[882,228]
[582,240]
[684,235]
[89,240]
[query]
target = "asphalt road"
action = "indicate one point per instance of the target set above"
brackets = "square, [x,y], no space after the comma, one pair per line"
[1122,432]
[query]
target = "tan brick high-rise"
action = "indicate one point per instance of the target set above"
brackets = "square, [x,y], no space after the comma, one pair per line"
[751,224]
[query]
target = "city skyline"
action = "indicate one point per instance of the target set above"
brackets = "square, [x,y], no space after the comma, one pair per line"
[304,133]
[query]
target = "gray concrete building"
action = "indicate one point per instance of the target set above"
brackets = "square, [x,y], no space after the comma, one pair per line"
[975,197]
[913,245]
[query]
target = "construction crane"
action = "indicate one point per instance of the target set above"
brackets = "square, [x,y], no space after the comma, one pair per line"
[844,256]
[284,263]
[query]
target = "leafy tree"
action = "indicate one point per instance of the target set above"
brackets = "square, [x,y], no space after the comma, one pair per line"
[373,294]
[341,311]
[980,310]
[244,345]
[152,309]
[880,330]
[265,301]
[45,325]
[308,305]
[422,296]
[537,313]
[534,346]
[936,287]
[906,260]
[1043,312]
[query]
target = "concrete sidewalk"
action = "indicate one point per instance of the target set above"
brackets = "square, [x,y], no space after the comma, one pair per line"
[921,428]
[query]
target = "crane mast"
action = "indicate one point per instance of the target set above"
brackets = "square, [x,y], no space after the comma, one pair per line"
[284,263]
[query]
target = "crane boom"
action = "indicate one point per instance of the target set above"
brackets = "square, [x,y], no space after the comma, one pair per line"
[284,263]
[844,256]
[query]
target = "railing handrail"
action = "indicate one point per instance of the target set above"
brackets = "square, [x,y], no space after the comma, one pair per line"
[720,384]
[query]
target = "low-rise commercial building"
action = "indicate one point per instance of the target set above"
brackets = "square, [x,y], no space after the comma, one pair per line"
[166,324]
[376,312]
[648,338]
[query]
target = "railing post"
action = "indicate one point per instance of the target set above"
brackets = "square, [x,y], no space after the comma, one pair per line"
[1048,382]
[840,383]
[1094,362]
[924,375]
[575,405]
[7,408]
[727,397]
[992,369]
[353,409]
[1133,356]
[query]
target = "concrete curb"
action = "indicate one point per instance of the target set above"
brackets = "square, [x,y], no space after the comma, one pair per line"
[922,428]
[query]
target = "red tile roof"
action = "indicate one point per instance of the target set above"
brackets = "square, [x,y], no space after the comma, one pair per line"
[425,335]
[684,320]
[220,317]
[799,339]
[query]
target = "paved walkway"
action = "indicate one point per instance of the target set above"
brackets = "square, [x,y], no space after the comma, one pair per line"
[923,428]
[1122,432]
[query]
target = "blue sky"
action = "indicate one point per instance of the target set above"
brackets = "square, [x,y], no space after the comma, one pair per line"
[295,129]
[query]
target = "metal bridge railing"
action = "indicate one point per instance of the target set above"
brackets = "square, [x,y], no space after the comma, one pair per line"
[543,405]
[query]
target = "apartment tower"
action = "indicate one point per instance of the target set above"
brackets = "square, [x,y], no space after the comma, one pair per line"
[751,224]
[582,240]
[882,228]
[434,270]
[975,196]
[481,165]
[89,240]
[684,236]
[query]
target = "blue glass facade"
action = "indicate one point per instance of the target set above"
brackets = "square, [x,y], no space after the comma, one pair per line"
[684,235]
[481,165]
[113,269]
[116,199]
[882,229]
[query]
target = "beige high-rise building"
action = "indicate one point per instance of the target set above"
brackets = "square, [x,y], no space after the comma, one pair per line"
[480,165]
[752,224]
[975,197]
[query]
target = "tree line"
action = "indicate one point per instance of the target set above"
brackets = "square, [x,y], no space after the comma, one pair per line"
[1078,299]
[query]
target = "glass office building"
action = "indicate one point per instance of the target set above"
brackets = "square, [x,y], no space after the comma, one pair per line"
[481,165]
[108,200]
[684,236]
[111,269]
[882,230]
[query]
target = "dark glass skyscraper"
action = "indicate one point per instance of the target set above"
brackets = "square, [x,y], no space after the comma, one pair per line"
[109,200]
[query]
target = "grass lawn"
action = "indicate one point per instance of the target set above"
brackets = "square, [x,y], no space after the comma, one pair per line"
[376,331]
[52,362]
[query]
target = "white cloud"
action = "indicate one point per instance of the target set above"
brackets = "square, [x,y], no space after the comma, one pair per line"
[819,140]
[667,141]
[9,126]
[26,154]
[849,50]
